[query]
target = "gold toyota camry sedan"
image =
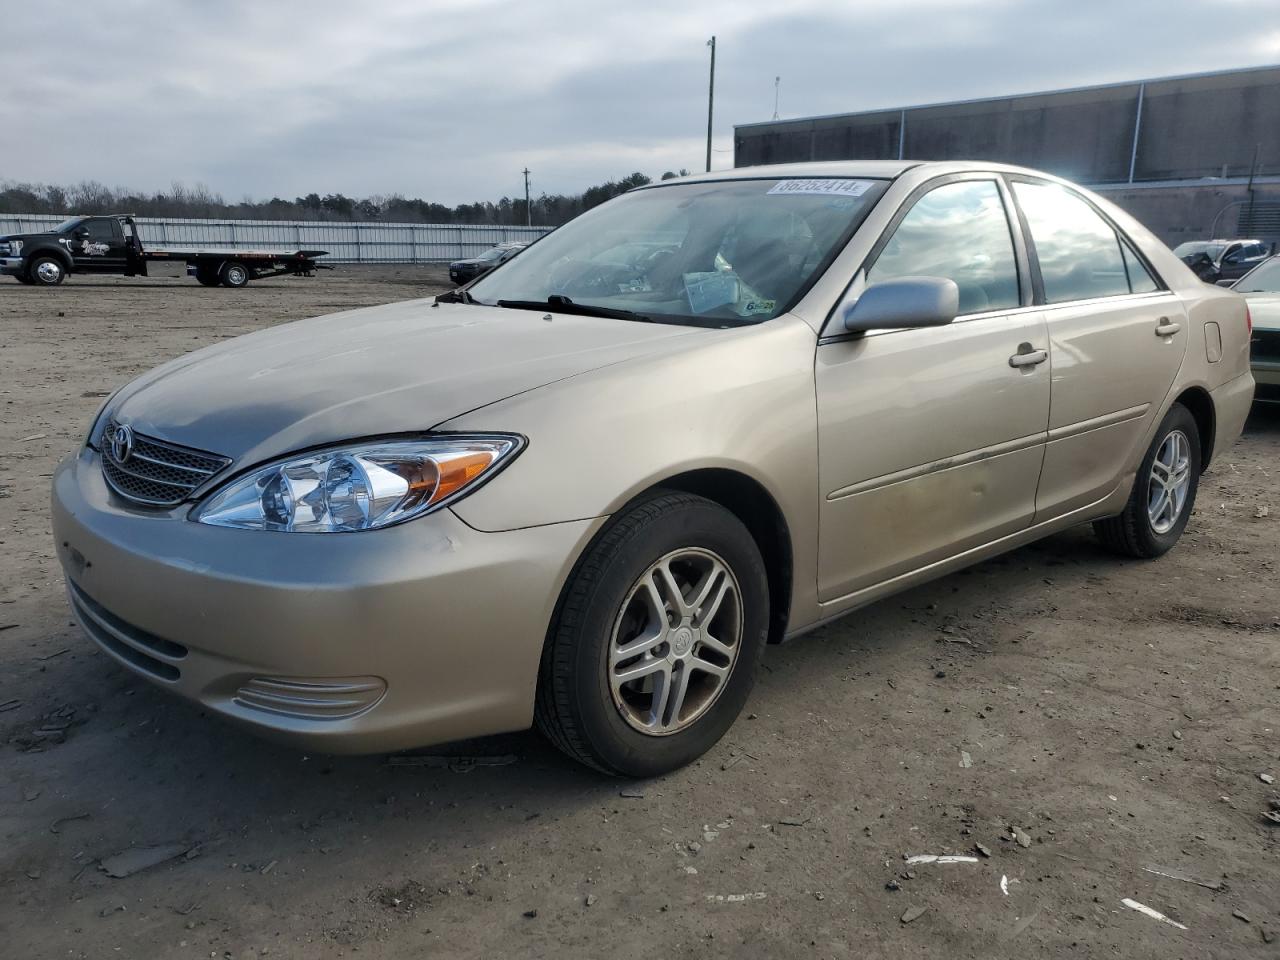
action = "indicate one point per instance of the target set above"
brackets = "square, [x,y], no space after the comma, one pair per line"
[585,490]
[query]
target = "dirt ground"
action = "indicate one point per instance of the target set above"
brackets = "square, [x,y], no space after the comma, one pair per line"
[1118,714]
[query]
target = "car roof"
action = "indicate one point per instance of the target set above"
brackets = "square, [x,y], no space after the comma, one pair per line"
[872,169]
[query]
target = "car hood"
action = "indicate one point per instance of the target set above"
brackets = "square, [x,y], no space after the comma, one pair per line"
[394,369]
[1264,308]
[24,236]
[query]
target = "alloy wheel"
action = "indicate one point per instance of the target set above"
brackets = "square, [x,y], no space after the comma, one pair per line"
[675,641]
[1169,482]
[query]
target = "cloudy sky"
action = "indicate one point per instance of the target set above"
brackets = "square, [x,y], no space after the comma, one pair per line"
[450,100]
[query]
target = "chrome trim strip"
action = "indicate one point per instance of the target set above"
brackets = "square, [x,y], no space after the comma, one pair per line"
[163,463]
[961,460]
[1045,308]
[142,476]
[1097,423]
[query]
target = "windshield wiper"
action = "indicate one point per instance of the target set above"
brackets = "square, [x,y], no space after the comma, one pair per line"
[456,296]
[563,304]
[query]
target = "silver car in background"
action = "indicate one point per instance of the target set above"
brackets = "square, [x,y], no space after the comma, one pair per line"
[588,488]
[1261,289]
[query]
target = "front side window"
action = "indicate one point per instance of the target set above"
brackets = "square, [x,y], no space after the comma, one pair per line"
[958,231]
[100,230]
[721,253]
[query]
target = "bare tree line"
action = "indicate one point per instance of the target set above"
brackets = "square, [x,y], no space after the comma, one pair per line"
[180,200]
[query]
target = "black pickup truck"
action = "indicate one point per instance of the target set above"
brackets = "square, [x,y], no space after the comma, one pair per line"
[112,245]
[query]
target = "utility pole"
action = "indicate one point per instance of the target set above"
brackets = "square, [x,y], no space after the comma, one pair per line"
[711,98]
[1253,168]
[528,214]
[777,85]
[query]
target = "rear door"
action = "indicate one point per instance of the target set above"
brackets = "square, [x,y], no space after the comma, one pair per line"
[930,440]
[1117,338]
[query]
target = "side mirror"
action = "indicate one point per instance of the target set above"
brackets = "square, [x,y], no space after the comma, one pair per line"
[80,233]
[1226,283]
[906,302]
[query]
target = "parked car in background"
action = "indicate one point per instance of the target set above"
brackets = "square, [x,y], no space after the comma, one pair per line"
[1214,260]
[1261,288]
[464,271]
[587,489]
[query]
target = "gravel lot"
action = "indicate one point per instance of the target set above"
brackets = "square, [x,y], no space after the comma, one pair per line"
[1118,714]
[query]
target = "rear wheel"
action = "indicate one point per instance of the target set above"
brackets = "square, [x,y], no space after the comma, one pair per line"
[657,640]
[1164,492]
[46,271]
[235,274]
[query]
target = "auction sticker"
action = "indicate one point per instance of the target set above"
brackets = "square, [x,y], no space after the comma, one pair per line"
[829,188]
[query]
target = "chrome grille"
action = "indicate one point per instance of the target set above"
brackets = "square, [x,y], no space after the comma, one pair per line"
[155,472]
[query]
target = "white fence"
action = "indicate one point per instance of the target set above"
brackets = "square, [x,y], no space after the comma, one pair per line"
[346,242]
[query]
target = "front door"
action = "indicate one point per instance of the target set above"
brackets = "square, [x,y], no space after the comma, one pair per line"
[98,245]
[1117,339]
[931,440]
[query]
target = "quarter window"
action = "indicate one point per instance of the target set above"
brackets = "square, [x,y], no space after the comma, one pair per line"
[959,231]
[1079,253]
[1140,279]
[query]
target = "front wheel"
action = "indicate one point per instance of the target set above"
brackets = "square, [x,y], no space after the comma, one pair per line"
[1164,491]
[46,271]
[235,274]
[657,638]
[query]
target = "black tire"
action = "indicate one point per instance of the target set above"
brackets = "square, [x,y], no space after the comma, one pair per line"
[1133,533]
[46,271]
[235,274]
[575,707]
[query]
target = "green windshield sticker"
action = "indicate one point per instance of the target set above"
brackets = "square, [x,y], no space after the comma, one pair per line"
[830,188]
[757,305]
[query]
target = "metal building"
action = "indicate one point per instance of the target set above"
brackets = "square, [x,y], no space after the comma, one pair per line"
[1187,154]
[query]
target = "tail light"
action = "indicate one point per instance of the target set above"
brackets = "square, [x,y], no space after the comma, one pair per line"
[1248,320]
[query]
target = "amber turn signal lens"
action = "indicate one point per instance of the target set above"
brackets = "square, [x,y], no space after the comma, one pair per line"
[457,472]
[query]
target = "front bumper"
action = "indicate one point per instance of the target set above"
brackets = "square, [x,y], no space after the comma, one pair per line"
[348,643]
[11,266]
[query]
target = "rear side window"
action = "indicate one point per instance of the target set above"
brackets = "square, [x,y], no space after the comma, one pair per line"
[1080,255]
[959,231]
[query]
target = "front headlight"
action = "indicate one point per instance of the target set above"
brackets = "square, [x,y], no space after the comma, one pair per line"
[15,247]
[358,487]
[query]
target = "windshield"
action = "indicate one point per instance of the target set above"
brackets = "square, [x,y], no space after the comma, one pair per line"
[492,254]
[1214,250]
[1264,278]
[67,225]
[708,254]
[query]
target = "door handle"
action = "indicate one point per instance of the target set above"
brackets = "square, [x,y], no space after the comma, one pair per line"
[1166,327]
[1027,356]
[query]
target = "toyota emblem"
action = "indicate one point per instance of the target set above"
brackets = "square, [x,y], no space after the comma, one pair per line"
[121,443]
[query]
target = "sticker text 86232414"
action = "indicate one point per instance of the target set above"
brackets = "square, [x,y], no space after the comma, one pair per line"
[831,188]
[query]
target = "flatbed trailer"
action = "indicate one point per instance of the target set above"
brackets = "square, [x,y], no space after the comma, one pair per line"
[111,245]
